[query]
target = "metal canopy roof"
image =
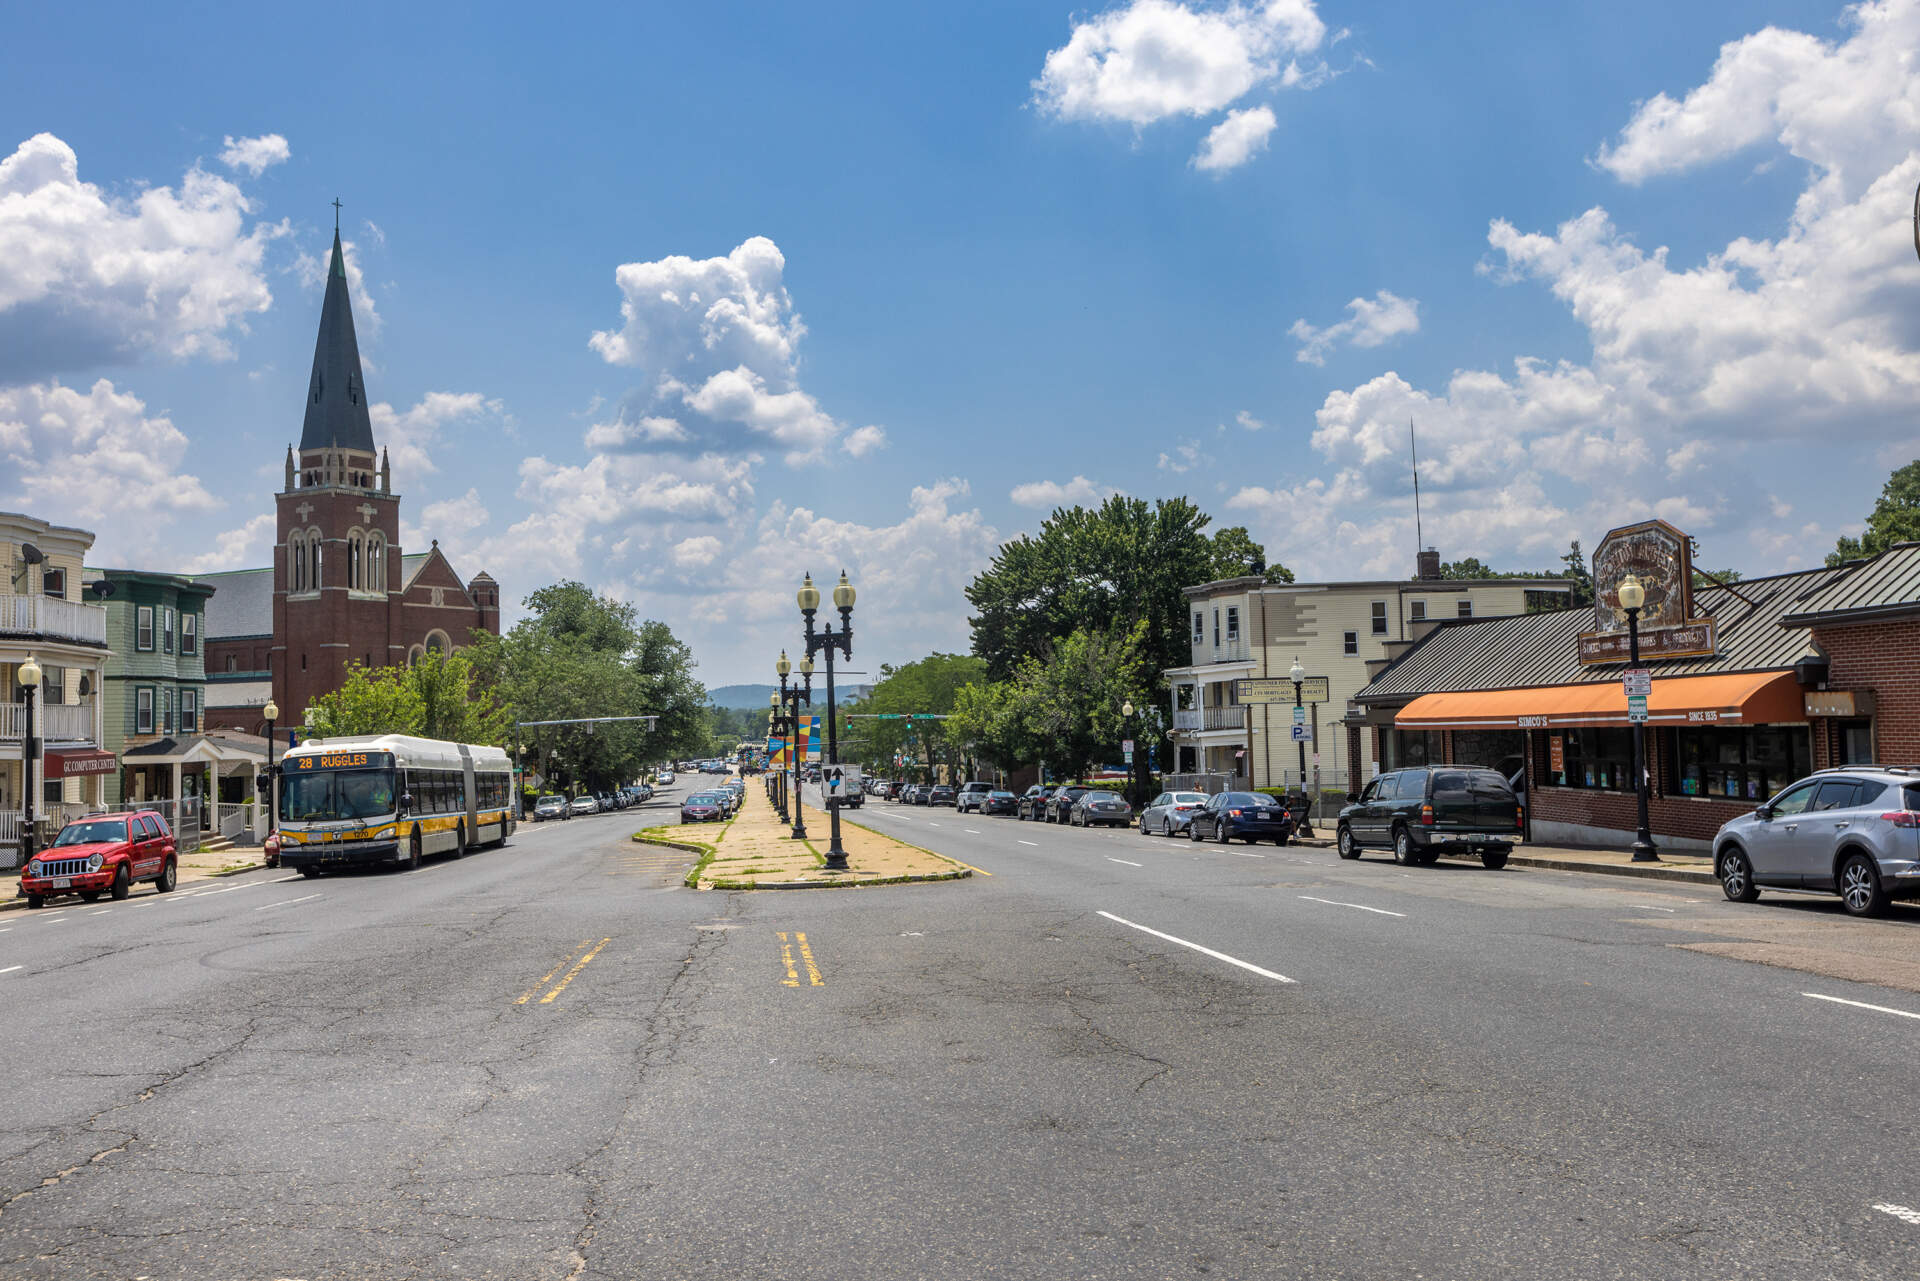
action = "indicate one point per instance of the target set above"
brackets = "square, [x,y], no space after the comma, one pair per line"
[1887,585]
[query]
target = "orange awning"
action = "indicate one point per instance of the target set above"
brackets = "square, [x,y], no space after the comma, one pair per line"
[1752,698]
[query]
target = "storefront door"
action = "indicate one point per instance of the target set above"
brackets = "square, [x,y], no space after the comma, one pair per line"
[1856,742]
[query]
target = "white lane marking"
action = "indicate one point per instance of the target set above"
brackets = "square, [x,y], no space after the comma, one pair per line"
[1361,906]
[1882,1009]
[1648,907]
[1906,1214]
[1112,859]
[969,831]
[931,823]
[52,920]
[1035,844]
[98,911]
[6,930]
[1205,951]
[11,968]
[1244,854]
[288,903]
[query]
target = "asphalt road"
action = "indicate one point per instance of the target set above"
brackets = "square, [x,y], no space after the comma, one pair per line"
[1113,1056]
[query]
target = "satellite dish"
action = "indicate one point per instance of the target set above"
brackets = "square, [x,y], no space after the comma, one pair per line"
[31,554]
[100,587]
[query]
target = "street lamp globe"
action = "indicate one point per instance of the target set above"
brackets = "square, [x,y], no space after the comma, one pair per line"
[1296,673]
[773,700]
[271,711]
[808,596]
[843,593]
[1126,708]
[1632,594]
[782,667]
[29,673]
[806,664]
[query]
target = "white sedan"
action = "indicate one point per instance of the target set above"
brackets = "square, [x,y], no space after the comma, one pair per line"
[664,778]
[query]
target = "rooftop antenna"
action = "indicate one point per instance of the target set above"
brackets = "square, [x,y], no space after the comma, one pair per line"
[1419,539]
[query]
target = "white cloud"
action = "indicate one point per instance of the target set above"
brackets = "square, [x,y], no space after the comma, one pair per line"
[1185,457]
[718,339]
[644,432]
[1373,321]
[1049,494]
[409,435]
[1235,140]
[90,279]
[456,517]
[1153,59]
[1248,421]
[865,440]
[255,154]
[250,544]
[96,459]
[1809,335]
[697,553]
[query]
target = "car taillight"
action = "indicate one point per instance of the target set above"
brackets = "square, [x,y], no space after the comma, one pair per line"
[1235,813]
[1426,816]
[1519,818]
[1902,818]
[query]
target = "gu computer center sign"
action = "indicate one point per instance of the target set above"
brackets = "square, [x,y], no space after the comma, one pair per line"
[1661,557]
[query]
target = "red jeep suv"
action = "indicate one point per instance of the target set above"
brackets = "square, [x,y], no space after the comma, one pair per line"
[102,854]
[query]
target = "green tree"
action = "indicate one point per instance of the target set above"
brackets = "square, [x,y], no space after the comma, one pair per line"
[1127,558]
[1894,519]
[1575,570]
[930,686]
[1069,702]
[439,696]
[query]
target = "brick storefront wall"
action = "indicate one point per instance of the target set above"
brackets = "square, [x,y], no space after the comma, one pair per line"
[1883,658]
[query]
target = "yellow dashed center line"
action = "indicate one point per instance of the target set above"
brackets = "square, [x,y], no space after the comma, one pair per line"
[786,958]
[548,976]
[561,986]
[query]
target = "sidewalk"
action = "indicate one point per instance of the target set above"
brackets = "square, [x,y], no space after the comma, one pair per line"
[1694,868]
[757,852]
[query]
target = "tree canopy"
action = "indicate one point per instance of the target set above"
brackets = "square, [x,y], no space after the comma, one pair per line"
[437,697]
[1895,518]
[931,686]
[1126,559]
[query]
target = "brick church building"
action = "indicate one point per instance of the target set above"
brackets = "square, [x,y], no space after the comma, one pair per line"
[341,589]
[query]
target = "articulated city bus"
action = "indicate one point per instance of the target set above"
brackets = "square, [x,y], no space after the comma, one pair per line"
[389,798]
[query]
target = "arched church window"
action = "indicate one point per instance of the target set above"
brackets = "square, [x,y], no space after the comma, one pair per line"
[438,643]
[296,562]
[356,548]
[376,562]
[314,581]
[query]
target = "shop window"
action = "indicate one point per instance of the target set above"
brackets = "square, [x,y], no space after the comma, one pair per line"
[1597,758]
[1856,742]
[143,628]
[1748,764]
[1407,748]
[1464,609]
[1350,642]
[1379,618]
[1417,611]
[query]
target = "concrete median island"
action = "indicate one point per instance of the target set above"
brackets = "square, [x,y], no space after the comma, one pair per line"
[756,851]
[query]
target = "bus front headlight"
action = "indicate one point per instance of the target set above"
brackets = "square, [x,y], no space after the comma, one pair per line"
[384,834]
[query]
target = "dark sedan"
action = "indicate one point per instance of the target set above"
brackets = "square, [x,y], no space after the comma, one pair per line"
[702,807]
[942,794]
[999,803]
[1032,803]
[1097,808]
[1060,802]
[1245,816]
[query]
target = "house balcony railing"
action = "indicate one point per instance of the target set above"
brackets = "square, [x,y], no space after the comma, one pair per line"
[53,618]
[1227,651]
[1206,718]
[61,723]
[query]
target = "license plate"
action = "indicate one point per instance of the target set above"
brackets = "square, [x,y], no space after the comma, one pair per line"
[62,882]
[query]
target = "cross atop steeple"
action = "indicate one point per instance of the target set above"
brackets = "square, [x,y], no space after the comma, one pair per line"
[336,215]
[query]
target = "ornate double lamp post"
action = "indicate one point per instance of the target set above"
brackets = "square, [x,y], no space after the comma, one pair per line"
[829,640]
[1632,597]
[790,779]
[272,713]
[28,678]
[1298,675]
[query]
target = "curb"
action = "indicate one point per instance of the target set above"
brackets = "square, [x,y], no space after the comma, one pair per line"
[956,875]
[1644,871]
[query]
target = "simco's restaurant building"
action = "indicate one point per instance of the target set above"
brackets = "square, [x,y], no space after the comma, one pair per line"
[1755,684]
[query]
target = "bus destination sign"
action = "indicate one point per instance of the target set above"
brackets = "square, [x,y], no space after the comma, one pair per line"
[339,760]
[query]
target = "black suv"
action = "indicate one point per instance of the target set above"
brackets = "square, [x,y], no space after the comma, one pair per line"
[1060,802]
[1437,809]
[1032,803]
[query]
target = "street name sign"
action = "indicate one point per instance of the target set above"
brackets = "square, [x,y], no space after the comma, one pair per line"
[1277,689]
[1636,708]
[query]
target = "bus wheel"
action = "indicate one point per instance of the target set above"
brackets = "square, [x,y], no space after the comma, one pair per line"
[310,872]
[413,851]
[460,840]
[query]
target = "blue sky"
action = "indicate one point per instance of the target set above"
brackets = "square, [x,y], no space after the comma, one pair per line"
[957,263]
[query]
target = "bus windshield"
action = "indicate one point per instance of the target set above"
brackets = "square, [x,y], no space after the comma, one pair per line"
[336,794]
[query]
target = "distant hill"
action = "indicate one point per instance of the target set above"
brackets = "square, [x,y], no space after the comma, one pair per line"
[742,697]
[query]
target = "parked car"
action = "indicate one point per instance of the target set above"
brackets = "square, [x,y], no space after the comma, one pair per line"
[999,802]
[941,794]
[970,796]
[583,805]
[664,778]
[552,805]
[918,793]
[702,807]
[1097,807]
[1246,816]
[1060,800]
[103,854]
[1032,803]
[1853,831]
[1170,812]
[1436,809]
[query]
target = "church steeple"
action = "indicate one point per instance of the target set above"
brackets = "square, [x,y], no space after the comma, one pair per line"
[337,394]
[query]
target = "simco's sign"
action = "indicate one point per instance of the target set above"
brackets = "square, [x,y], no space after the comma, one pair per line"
[1661,557]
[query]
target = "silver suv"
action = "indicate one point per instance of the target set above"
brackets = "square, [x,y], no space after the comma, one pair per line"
[1853,831]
